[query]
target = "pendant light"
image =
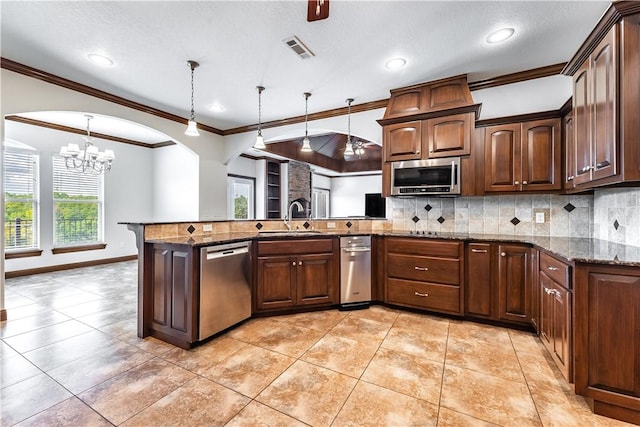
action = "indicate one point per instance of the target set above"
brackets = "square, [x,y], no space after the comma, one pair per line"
[348,149]
[192,126]
[259,139]
[306,144]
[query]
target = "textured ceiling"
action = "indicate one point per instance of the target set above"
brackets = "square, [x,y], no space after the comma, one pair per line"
[239,45]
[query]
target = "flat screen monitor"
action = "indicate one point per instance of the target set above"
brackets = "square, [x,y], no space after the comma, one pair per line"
[375,205]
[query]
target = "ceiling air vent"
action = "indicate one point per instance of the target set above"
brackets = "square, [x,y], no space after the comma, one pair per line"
[296,45]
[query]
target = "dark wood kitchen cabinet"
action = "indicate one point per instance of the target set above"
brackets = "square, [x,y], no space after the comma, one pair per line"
[403,141]
[606,99]
[447,136]
[513,282]
[480,288]
[523,156]
[296,273]
[569,151]
[170,291]
[425,274]
[607,339]
[555,307]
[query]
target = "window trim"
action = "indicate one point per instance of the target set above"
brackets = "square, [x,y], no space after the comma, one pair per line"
[78,248]
[24,253]
[252,215]
[19,252]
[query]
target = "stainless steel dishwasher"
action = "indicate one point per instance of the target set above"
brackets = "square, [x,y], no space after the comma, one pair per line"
[225,291]
[355,272]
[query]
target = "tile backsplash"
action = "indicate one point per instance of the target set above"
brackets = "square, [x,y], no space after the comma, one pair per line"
[617,215]
[570,216]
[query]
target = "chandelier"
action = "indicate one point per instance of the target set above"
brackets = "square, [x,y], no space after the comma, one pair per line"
[89,160]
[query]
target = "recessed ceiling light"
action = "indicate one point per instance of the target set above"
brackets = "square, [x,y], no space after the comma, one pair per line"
[100,60]
[395,63]
[500,35]
[216,108]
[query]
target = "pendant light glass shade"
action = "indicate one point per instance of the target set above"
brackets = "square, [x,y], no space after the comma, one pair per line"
[192,126]
[348,151]
[306,144]
[259,139]
[192,129]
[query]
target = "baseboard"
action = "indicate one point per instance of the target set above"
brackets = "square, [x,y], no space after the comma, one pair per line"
[52,268]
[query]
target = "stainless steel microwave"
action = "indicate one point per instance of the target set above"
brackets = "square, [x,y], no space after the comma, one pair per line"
[426,177]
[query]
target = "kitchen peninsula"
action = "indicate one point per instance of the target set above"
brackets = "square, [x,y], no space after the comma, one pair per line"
[575,292]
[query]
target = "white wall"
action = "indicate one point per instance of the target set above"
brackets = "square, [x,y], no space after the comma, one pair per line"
[175,184]
[347,194]
[320,181]
[127,193]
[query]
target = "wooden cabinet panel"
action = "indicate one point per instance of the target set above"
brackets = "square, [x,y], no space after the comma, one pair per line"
[276,282]
[546,311]
[428,269]
[604,72]
[402,141]
[433,248]
[295,247]
[424,295]
[556,323]
[533,303]
[180,286]
[556,270]
[161,284]
[569,151]
[502,158]
[513,278]
[315,284]
[582,125]
[541,154]
[406,103]
[479,280]
[448,136]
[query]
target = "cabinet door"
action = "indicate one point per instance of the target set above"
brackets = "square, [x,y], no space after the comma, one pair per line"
[402,141]
[448,136]
[569,152]
[275,282]
[546,311]
[478,291]
[502,158]
[604,82]
[513,278]
[315,280]
[541,154]
[608,336]
[581,125]
[561,321]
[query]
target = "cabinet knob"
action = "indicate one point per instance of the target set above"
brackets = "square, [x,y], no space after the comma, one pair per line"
[503,254]
[419,294]
[524,182]
[516,183]
[570,178]
[293,263]
[421,268]
[299,262]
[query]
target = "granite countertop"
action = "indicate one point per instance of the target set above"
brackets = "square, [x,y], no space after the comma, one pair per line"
[571,249]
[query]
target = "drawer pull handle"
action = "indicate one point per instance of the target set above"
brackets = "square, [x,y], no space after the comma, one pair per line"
[421,268]
[419,294]
[479,251]
[552,292]
[550,268]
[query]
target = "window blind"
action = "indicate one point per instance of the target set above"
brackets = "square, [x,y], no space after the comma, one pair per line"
[20,180]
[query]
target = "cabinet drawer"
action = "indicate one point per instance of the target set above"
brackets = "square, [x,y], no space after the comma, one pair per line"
[555,269]
[426,247]
[424,295]
[427,269]
[295,247]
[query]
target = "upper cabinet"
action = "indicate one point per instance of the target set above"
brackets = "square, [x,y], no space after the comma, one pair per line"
[604,149]
[425,121]
[523,156]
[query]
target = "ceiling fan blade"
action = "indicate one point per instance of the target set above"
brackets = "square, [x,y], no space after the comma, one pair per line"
[317,10]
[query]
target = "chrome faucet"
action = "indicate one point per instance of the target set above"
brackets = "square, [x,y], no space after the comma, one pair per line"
[287,219]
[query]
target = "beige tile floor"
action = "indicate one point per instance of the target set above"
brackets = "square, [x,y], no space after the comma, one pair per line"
[69,355]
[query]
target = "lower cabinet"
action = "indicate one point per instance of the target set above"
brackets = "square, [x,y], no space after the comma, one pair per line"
[424,274]
[171,308]
[607,339]
[294,273]
[555,309]
[498,282]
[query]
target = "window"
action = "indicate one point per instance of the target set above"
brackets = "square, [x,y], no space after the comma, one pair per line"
[77,206]
[320,203]
[21,199]
[240,197]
